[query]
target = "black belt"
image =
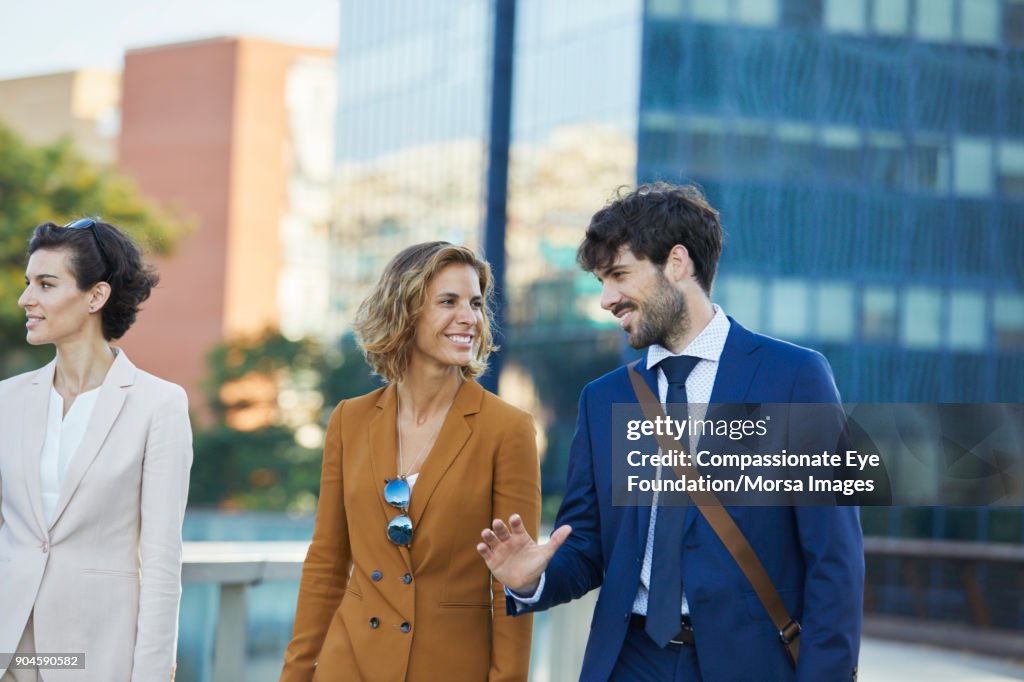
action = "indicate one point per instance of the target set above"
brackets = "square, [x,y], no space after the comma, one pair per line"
[685,635]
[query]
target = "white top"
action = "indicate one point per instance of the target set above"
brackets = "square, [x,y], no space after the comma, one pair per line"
[708,347]
[411,480]
[63,436]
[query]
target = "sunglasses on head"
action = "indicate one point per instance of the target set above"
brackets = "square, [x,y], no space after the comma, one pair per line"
[397,493]
[90,224]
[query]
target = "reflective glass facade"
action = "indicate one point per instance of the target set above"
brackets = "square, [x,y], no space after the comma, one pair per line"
[867,162]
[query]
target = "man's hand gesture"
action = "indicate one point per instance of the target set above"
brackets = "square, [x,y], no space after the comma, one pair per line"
[514,557]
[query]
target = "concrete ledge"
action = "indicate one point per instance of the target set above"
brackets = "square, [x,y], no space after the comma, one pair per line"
[242,563]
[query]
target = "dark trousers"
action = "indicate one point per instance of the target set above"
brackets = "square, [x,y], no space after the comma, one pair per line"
[642,661]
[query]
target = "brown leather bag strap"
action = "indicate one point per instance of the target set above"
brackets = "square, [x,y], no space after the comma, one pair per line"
[725,527]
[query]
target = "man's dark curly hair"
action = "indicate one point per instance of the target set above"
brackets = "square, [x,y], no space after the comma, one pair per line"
[651,220]
[120,264]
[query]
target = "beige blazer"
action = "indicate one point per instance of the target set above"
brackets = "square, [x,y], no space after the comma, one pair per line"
[370,611]
[104,579]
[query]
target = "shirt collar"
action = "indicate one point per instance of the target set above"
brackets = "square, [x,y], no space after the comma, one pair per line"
[707,345]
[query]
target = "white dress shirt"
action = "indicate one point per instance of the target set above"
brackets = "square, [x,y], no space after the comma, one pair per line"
[64,433]
[708,347]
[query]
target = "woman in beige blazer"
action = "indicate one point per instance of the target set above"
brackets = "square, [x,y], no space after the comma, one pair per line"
[393,588]
[94,464]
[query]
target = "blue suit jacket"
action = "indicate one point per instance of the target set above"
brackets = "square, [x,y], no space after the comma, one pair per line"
[814,555]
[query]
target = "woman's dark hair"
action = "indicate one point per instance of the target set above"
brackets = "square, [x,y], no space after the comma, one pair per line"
[102,253]
[651,220]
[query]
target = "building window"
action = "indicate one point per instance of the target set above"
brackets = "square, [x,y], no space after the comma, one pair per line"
[801,12]
[922,317]
[741,298]
[835,311]
[878,321]
[796,151]
[972,166]
[967,329]
[934,20]
[788,308]
[929,164]
[710,10]
[890,16]
[845,16]
[665,9]
[979,21]
[757,12]
[885,153]
[751,145]
[706,154]
[1011,169]
[842,154]
[1013,23]
[1009,321]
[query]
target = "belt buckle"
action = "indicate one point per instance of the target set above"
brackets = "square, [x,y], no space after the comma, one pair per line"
[683,629]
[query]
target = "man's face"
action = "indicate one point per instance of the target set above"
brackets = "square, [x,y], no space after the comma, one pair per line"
[649,308]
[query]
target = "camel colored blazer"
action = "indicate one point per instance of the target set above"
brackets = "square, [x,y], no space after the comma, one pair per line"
[104,579]
[372,611]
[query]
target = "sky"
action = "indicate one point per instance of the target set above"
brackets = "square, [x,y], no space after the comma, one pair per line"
[48,36]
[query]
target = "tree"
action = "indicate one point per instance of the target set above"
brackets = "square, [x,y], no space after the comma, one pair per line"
[53,182]
[270,399]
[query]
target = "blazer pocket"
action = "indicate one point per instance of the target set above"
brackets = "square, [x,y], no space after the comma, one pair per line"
[111,572]
[464,605]
[790,598]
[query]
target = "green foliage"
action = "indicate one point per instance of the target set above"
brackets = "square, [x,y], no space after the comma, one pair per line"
[259,454]
[54,183]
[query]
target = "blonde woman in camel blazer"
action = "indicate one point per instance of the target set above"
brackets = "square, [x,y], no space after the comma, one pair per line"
[393,588]
[94,464]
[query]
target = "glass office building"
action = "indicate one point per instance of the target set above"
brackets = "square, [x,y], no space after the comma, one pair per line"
[868,160]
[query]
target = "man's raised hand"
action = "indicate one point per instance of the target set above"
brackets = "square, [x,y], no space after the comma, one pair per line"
[514,557]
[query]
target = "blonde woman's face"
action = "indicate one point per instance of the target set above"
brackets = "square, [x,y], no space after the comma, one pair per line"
[448,329]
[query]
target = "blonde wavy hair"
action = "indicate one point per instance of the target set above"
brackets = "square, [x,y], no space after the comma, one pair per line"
[385,323]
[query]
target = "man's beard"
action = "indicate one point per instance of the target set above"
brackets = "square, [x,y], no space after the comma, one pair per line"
[664,317]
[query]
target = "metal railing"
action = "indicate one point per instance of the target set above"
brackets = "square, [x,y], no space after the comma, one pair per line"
[919,569]
[961,595]
[560,635]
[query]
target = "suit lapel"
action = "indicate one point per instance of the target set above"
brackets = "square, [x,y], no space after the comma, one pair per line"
[737,367]
[384,455]
[450,440]
[108,406]
[643,511]
[35,412]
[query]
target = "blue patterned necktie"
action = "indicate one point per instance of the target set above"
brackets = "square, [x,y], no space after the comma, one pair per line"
[665,594]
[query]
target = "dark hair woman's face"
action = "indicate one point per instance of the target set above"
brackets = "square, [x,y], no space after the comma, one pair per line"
[57,310]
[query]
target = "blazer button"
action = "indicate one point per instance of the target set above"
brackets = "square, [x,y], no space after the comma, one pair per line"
[374,623]
[405,627]
[406,578]
[45,547]
[376,575]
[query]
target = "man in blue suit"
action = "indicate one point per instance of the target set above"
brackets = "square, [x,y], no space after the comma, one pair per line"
[655,251]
